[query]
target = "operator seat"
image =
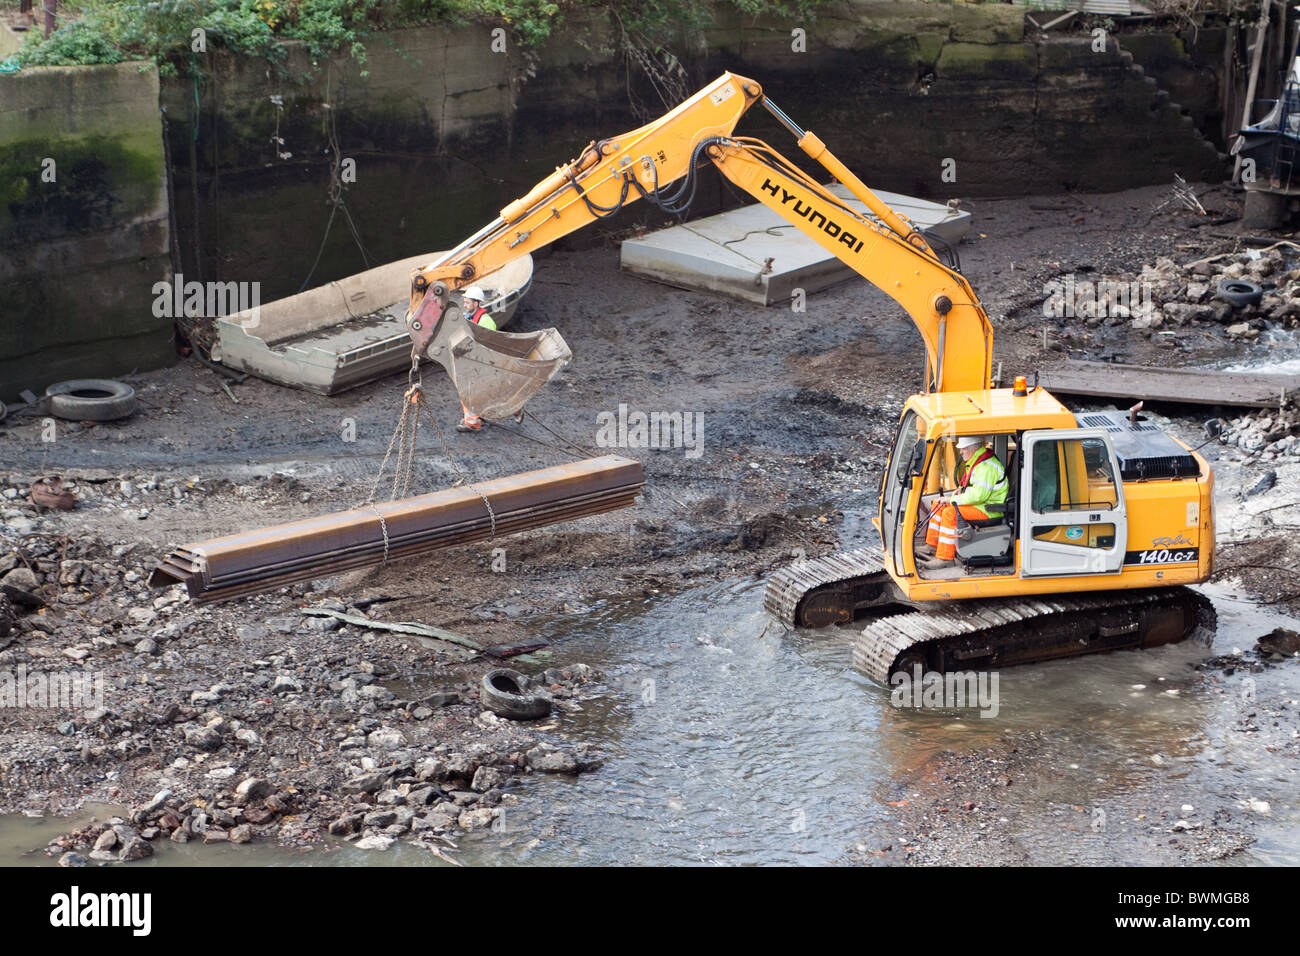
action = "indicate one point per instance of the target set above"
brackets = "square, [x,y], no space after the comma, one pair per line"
[987,542]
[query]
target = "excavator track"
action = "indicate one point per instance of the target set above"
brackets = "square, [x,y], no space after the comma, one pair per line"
[974,634]
[829,590]
[1003,632]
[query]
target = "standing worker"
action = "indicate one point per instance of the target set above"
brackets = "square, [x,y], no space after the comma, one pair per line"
[474,311]
[981,494]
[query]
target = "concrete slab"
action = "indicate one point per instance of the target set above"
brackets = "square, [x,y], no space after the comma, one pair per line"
[726,253]
[1133,383]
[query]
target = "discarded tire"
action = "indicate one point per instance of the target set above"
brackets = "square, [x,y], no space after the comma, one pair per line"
[1240,293]
[90,400]
[503,693]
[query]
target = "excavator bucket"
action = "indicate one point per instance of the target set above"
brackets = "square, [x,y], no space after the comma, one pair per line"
[494,372]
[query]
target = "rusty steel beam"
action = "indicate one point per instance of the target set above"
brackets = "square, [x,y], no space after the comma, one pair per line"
[266,558]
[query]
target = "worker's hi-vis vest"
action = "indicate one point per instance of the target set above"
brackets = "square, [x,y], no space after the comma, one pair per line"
[481,317]
[984,485]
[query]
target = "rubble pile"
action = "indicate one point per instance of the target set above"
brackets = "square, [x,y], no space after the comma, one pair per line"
[1188,295]
[1268,434]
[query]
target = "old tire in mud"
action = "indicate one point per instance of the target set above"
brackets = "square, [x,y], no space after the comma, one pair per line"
[1240,293]
[502,692]
[90,400]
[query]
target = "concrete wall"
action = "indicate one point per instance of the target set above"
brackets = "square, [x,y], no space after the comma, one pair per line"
[79,254]
[445,132]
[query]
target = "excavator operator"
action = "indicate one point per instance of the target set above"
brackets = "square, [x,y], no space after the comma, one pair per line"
[981,494]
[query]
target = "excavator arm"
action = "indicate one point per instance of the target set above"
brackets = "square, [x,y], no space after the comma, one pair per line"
[890,254]
[496,372]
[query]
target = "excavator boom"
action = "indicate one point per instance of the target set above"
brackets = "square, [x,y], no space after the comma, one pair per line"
[496,372]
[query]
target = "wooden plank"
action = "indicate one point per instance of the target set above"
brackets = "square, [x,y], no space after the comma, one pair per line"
[1133,383]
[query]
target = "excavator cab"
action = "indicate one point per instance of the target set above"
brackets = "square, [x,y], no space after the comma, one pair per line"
[1065,511]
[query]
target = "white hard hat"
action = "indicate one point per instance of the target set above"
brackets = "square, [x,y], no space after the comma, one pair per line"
[475,293]
[970,441]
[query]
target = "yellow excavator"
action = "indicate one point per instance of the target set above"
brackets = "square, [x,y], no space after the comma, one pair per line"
[1107,518]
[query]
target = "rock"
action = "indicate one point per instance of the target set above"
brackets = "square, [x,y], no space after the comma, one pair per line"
[286,684]
[421,797]
[552,761]
[443,817]
[380,818]
[76,653]
[346,824]
[248,736]
[1150,320]
[241,834]
[147,646]
[366,783]
[204,738]
[73,859]
[106,841]
[155,804]
[476,818]
[377,842]
[431,768]
[386,739]
[445,699]
[488,777]
[253,789]
[21,578]
[135,849]
[142,616]
[390,798]
[1280,641]
[460,766]
[180,835]
[213,835]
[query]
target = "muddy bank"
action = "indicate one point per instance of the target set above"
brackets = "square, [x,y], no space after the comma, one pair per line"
[378,737]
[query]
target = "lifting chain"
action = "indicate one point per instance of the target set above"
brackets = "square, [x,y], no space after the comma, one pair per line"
[405,438]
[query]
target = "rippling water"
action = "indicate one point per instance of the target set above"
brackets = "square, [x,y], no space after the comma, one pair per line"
[731,741]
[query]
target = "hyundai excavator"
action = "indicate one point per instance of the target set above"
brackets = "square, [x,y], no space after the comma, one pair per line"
[1107,520]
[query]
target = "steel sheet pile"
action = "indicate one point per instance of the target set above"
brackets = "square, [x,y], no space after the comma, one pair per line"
[267,558]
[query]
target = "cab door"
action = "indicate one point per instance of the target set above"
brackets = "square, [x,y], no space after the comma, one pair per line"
[1072,517]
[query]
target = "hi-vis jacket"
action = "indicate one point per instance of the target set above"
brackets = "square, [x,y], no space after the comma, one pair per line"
[984,484]
[481,317]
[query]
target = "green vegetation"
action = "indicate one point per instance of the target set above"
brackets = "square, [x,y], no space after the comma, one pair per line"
[109,31]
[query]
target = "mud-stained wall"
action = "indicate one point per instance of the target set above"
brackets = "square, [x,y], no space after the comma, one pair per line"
[444,132]
[83,224]
[439,132]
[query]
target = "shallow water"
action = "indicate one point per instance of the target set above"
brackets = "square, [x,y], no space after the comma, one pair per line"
[731,741]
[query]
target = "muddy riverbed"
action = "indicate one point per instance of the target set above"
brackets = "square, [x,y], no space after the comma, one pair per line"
[688,727]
